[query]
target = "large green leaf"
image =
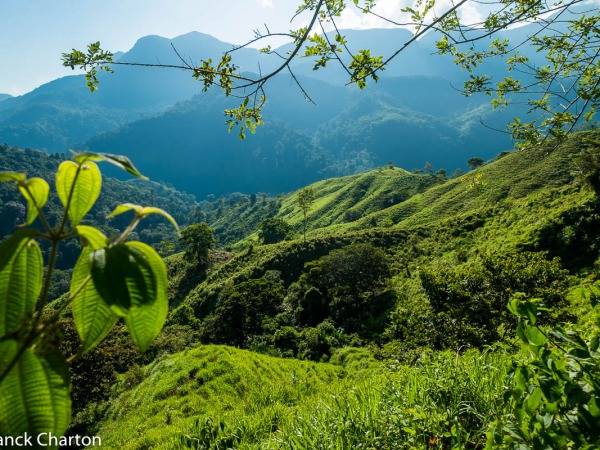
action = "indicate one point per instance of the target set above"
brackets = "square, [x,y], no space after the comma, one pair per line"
[12,176]
[122,277]
[143,212]
[91,236]
[118,160]
[92,316]
[21,273]
[35,191]
[146,319]
[80,183]
[34,397]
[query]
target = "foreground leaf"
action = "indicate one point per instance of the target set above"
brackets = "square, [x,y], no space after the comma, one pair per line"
[92,316]
[143,212]
[35,191]
[80,183]
[122,277]
[21,271]
[34,397]
[91,236]
[120,161]
[146,319]
[12,176]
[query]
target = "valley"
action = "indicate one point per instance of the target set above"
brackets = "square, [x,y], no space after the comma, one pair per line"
[377,268]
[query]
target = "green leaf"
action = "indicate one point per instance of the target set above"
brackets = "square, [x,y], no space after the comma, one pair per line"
[21,272]
[12,176]
[551,389]
[122,277]
[143,211]
[120,161]
[92,236]
[534,336]
[35,191]
[92,316]
[594,407]
[120,209]
[34,397]
[595,342]
[533,401]
[146,318]
[81,184]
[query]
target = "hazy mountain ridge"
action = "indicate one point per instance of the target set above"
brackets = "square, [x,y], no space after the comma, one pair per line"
[412,116]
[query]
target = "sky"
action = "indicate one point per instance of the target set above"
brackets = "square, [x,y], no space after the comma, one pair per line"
[34,33]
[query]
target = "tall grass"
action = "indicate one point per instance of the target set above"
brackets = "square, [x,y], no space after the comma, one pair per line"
[444,402]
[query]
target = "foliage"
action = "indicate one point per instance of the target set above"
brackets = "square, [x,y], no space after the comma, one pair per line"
[475,162]
[305,199]
[111,280]
[588,165]
[240,311]
[199,239]
[273,230]
[349,285]
[553,400]
[468,305]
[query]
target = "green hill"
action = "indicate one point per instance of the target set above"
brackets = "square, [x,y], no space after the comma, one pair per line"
[35,163]
[397,297]
[220,397]
[518,196]
[523,202]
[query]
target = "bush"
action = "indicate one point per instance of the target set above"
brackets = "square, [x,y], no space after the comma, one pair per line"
[468,305]
[273,230]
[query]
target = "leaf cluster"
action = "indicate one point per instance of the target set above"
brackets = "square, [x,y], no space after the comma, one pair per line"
[111,279]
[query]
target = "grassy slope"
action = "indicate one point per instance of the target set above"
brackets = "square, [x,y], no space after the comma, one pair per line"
[337,201]
[261,397]
[264,402]
[216,381]
[395,198]
[447,223]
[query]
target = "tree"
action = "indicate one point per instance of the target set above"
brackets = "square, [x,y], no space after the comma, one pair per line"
[305,199]
[351,286]
[588,165]
[562,88]
[475,162]
[273,230]
[199,239]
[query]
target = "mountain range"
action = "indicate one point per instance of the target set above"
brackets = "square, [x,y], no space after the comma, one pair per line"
[175,133]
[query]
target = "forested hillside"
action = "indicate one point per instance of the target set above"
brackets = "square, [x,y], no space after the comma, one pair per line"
[34,163]
[397,270]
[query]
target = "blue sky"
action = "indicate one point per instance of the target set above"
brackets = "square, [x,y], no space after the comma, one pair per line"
[34,33]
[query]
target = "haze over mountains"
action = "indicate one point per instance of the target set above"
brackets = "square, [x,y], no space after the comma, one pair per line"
[175,133]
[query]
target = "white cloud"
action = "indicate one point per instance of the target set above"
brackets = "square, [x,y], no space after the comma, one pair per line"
[266,3]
